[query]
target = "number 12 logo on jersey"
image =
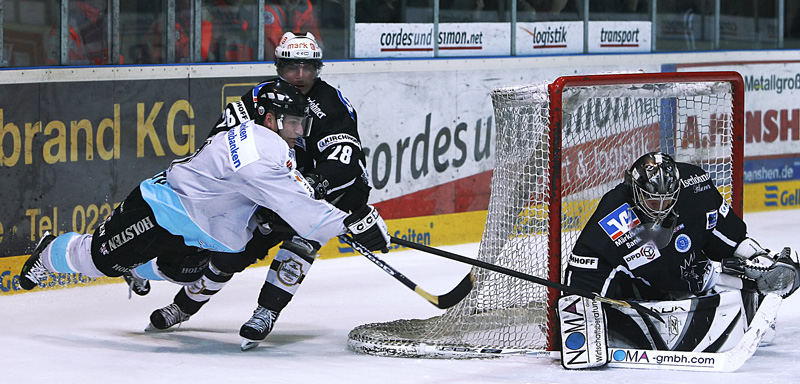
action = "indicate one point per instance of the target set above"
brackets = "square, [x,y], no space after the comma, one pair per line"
[620,221]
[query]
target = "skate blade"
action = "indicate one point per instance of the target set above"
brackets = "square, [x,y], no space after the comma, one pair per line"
[248,344]
[152,329]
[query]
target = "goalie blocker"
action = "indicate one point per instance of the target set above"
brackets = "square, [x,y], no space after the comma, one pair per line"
[584,343]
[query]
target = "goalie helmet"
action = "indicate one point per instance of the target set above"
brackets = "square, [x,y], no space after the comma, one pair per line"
[281,99]
[655,184]
[298,49]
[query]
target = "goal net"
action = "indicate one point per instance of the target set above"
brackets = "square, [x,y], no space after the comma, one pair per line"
[560,147]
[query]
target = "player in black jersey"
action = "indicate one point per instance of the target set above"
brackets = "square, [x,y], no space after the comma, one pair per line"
[332,162]
[667,235]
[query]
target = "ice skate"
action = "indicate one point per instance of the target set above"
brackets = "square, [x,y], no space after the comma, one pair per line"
[137,285]
[163,318]
[33,271]
[258,327]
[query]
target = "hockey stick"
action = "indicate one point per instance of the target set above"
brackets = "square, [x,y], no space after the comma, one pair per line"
[525,276]
[444,301]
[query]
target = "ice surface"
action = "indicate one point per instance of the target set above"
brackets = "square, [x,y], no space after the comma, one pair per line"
[95,334]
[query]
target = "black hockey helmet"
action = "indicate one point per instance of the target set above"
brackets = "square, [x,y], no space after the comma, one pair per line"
[655,184]
[281,99]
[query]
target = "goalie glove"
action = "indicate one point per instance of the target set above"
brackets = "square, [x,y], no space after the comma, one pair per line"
[773,272]
[788,259]
[368,228]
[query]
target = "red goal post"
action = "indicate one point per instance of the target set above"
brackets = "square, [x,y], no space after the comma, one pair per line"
[558,148]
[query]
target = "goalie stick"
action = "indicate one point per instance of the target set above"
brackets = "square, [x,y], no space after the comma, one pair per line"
[444,301]
[728,361]
[525,276]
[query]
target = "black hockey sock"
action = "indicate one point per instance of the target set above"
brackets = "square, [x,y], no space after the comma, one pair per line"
[192,297]
[187,305]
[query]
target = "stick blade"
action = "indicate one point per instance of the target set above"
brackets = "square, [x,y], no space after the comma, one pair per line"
[458,293]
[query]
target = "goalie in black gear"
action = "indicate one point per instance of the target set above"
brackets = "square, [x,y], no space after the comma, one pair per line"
[332,162]
[666,236]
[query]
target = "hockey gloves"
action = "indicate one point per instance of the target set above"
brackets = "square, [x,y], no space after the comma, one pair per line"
[318,184]
[368,228]
[584,340]
[269,223]
[773,272]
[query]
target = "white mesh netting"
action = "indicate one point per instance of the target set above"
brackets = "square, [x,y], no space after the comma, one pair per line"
[604,129]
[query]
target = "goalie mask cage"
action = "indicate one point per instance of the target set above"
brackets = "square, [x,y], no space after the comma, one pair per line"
[559,148]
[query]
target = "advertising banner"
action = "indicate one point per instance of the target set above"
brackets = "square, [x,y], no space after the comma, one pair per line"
[71,151]
[772,130]
[772,116]
[549,38]
[619,36]
[416,39]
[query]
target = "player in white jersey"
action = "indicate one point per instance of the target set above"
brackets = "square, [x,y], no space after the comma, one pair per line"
[207,202]
[331,160]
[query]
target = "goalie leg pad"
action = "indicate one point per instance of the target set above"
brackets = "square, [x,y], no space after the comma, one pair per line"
[584,343]
[712,323]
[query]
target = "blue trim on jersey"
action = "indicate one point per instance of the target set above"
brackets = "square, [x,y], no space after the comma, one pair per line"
[58,252]
[171,215]
[347,104]
[318,224]
[147,271]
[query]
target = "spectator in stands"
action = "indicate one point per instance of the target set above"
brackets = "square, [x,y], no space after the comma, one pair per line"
[297,16]
[156,51]
[87,32]
[228,31]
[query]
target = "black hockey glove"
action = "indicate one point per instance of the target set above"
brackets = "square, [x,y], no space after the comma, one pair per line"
[318,184]
[270,223]
[368,228]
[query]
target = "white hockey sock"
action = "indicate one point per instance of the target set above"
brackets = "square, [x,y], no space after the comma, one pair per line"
[202,289]
[71,253]
[287,271]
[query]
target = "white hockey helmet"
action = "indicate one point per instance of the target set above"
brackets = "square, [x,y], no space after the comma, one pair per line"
[298,48]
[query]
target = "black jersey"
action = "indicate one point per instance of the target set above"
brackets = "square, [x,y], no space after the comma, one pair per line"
[331,151]
[612,258]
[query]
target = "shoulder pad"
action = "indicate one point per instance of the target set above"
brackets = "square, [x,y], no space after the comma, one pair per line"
[235,113]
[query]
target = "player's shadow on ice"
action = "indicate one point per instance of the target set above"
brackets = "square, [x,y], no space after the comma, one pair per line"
[183,340]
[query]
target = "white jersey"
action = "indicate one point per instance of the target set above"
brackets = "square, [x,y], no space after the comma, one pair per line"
[209,198]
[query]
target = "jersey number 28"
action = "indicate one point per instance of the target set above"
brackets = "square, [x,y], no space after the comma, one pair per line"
[342,153]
